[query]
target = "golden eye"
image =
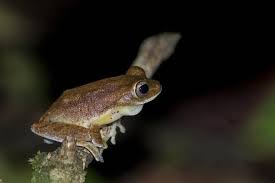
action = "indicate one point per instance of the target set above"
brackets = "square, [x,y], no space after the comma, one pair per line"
[142,88]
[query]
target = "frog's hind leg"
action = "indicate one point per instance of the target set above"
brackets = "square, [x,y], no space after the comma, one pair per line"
[97,153]
[60,131]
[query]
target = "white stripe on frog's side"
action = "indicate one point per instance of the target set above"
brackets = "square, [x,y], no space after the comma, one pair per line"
[47,141]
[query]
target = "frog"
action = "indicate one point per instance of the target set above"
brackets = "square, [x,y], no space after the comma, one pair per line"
[91,113]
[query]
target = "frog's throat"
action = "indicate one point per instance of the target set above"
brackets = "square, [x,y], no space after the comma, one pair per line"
[114,114]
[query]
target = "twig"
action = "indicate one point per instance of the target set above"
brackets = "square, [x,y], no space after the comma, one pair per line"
[64,165]
[154,50]
[67,163]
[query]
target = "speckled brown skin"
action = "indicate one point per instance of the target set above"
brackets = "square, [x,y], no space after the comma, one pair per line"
[78,112]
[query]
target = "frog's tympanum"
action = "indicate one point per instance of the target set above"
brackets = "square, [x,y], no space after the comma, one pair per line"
[83,111]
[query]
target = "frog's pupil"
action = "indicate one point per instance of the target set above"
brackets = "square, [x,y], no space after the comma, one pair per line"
[144,88]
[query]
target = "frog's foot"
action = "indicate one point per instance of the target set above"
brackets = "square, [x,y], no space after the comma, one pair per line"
[113,131]
[96,137]
[97,153]
[108,132]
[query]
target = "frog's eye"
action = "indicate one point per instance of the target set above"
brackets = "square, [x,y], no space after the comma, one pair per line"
[142,88]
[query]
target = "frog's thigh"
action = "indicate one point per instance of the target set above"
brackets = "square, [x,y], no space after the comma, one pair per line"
[59,131]
[92,149]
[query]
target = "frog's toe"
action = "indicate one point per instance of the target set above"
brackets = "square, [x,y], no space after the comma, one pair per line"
[98,157]
[105,145]
[113,140]
[97,153]
[122,129]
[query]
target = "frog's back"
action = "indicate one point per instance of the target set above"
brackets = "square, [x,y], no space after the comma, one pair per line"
[83,104]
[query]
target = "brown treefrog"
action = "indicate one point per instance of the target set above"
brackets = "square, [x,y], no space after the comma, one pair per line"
[83,111]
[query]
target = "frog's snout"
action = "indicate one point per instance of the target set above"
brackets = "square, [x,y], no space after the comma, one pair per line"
[157,88]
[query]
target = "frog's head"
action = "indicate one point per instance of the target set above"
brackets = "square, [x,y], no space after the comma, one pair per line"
[140,90]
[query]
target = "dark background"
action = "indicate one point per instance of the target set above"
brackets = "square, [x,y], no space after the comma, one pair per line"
[210,85]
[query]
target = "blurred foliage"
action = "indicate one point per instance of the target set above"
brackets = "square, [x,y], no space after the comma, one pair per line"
[23,88]
[23,80]
[14,28]
[258,134]
[10,173]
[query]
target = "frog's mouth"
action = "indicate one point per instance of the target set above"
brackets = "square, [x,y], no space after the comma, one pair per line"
[151,98]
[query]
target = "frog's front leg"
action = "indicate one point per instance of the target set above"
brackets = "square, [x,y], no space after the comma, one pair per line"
[110,131]
[84,136]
